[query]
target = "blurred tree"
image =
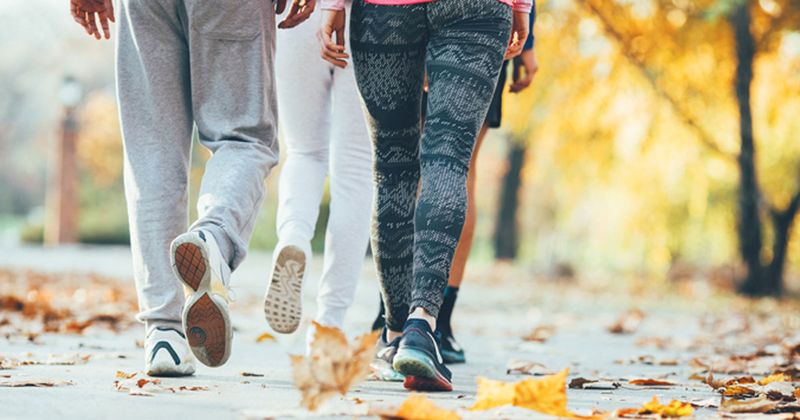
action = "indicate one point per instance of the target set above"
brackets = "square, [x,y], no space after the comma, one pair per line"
[669,42]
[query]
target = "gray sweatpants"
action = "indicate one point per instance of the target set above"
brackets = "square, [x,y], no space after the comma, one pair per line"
[180,64]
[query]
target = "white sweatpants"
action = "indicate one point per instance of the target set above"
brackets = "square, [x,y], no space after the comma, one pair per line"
[325,132]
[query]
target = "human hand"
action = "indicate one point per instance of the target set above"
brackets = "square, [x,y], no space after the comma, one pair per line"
[333,51]
[89,12]
[526,63]
[298,12]
[519,34]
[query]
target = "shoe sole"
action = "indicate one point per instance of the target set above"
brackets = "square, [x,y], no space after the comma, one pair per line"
[205,315]
[169,370]
[283,305]
[420,371]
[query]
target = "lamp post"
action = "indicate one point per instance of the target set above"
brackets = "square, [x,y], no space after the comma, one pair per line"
[61,226]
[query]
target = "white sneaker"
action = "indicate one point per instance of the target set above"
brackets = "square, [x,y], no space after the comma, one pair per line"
[167,354]
[198,263]
[283,305]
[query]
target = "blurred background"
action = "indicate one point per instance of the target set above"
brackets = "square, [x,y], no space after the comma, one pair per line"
[660,142]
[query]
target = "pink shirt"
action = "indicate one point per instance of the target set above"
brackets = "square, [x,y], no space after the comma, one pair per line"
[518,5]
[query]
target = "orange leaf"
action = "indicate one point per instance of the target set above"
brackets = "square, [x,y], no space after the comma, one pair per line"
[674,409]
[547,395]
[419,407]
[265,337]
[650,382]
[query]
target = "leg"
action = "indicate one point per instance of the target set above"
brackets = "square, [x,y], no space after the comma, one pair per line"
[389,67]
[351,201]
[234,104]
[304,105]
[464,57]
[231,49]
[468,232]
[157,132]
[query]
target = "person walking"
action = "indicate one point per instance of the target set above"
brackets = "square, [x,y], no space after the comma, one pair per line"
[326,137]
[185,64]
[461,46]
[525,67]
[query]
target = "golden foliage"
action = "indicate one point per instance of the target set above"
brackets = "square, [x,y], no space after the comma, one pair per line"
[419,407]
[333,366]
[674,409]
[547,395]
[100,139]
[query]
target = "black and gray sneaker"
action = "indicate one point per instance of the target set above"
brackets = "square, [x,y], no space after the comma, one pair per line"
[452,352]
[382,364]
[419,359]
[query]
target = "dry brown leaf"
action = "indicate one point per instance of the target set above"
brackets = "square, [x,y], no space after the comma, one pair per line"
[628,322]
[525,367]
[252,374]
[34,383]
[738,391]
[540,334]
[650,382]
[265,337]
[419,407]
[333,365]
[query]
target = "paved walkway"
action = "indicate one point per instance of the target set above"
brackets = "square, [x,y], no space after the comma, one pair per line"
[495,310]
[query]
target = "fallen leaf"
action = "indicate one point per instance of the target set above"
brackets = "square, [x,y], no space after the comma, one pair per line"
[540,334]
[333,365]
[252,375]
[123,375]
[419,407]
[674,409]
[628,322]
[757,405]
[265,337]
[578,383]
[547,395]
[738,391]
[650,382]
[524,367]
[775,377]
[34,383]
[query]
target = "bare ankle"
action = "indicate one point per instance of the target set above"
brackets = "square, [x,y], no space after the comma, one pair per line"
[420,313]
[391,335]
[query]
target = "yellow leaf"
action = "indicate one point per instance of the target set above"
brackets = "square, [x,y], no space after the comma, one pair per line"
[265,337]
[333,365]
[674,409]
[124,375]
[547,395]
[775,377]
[736,390]
[418,407]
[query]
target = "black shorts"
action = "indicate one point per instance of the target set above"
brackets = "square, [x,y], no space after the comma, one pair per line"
[495,116]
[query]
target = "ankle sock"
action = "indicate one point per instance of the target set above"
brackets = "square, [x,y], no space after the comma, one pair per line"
[446,311]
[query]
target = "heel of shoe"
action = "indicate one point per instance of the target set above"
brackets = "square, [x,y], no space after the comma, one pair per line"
[190,263]
[420,371]
[208,329]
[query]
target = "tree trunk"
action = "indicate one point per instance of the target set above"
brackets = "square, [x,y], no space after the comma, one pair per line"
[749,223]
[506,239]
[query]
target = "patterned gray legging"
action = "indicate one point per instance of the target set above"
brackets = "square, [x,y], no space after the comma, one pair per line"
[461,43]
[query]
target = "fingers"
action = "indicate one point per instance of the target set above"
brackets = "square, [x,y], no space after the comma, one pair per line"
[109,6]
[521,84]
[280,6]
[103,18]
[91,24]
[332,52]
[299,12]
